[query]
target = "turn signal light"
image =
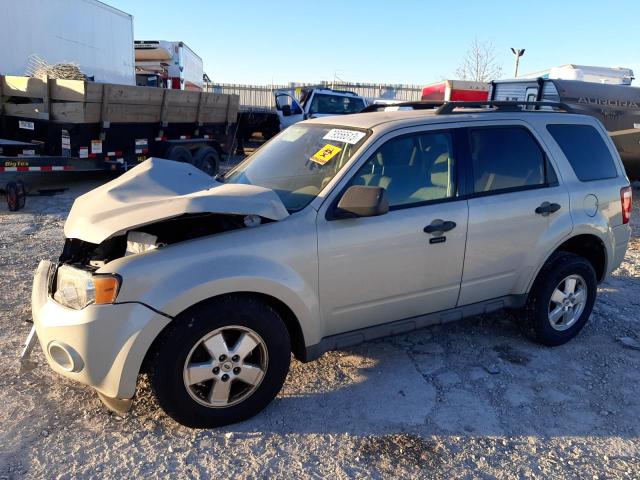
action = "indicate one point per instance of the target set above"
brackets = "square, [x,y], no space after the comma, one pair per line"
[106,288]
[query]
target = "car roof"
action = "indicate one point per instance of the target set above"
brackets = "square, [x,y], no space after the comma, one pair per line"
[391,120]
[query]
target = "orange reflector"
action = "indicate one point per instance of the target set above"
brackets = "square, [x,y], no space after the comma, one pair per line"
[106,288]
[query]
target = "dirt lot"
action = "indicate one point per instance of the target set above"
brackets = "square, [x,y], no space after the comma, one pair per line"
[472,399]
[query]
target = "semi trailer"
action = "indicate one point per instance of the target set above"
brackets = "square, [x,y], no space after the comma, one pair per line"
[95,37]
[161,63]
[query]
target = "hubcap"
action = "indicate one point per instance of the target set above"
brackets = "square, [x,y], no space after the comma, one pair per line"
[567,302]
[225,367]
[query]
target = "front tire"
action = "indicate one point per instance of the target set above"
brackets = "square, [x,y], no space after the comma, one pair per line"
[561,299]
[220,362]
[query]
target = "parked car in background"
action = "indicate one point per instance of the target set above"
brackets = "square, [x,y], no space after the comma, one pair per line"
[338,231]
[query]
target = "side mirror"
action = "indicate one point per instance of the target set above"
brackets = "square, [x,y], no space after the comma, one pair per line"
[361,201]
[286,110]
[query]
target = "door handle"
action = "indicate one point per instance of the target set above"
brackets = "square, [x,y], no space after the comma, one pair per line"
[440,226]
[546,208]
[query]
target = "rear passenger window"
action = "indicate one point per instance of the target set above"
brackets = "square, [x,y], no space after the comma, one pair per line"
[586,151]
[506,158]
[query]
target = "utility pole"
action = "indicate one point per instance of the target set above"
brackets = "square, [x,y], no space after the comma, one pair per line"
[518,54]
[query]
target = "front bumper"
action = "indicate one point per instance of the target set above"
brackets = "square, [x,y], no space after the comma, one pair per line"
[102,346]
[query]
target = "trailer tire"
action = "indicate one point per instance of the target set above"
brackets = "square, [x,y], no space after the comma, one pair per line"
[22,194]
[12,197]
[179,154]
[207,159]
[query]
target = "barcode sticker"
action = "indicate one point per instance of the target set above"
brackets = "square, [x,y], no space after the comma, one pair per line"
[346,136]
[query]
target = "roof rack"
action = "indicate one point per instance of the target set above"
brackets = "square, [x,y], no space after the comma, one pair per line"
[501,106]
[417,105]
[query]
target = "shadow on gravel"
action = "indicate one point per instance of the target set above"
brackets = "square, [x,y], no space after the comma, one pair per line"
[479,377]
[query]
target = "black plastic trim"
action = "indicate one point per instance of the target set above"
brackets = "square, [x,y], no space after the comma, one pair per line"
[145,305]
[356,337]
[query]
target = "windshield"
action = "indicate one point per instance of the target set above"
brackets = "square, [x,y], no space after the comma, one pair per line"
[335,104]
[299,162]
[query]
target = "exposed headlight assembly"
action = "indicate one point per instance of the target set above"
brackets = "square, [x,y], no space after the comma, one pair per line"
[76,288]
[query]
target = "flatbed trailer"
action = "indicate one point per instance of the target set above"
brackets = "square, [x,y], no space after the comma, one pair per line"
[53,125]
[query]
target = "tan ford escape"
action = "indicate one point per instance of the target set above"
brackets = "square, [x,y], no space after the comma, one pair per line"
[337,231]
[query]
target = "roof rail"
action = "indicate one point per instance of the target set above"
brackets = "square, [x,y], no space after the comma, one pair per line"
[501,106]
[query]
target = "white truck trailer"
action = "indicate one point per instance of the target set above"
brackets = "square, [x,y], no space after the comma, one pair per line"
[173,64]
[88,33]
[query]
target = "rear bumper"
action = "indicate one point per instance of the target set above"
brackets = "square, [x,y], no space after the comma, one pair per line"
[102,346]
[621,236]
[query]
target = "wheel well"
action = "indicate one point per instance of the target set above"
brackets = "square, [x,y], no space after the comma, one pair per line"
[290,320]
[288,317]
[589,247]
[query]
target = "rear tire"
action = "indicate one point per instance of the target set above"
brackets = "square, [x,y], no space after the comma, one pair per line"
[207,159]
[561,299]
[179,154]
[216,335]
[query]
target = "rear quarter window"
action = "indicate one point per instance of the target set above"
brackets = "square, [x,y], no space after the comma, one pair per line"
[586,151]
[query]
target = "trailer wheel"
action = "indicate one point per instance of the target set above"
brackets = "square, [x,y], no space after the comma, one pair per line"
[22,194]
[179,154]
[207,159]
[12,196]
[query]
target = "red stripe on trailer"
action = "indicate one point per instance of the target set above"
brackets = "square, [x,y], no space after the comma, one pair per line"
[22,169]
[46,168]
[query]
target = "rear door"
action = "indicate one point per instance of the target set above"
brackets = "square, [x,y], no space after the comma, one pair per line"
[517,210]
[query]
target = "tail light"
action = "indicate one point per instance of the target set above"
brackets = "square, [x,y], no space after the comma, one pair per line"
[625,200]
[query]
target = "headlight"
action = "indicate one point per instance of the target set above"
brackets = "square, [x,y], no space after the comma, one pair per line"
[77,288]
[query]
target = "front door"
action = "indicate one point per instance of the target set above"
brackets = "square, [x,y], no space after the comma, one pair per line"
[289,111]
[376,270]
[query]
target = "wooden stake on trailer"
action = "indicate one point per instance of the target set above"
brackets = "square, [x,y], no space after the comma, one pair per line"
[104,111]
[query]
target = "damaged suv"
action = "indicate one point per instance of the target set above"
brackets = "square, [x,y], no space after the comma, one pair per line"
[337,231]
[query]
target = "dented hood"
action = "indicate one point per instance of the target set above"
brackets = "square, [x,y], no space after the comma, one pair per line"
[160,189]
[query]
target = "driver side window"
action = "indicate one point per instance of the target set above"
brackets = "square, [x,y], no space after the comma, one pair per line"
[414,169]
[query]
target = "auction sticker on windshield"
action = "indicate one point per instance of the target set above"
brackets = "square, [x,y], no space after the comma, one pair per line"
[346,136]
[325,154]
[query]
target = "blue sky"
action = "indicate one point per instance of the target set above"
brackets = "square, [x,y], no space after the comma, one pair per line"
[400,41]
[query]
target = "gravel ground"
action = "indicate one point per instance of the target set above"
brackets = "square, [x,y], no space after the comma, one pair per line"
[470,399]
